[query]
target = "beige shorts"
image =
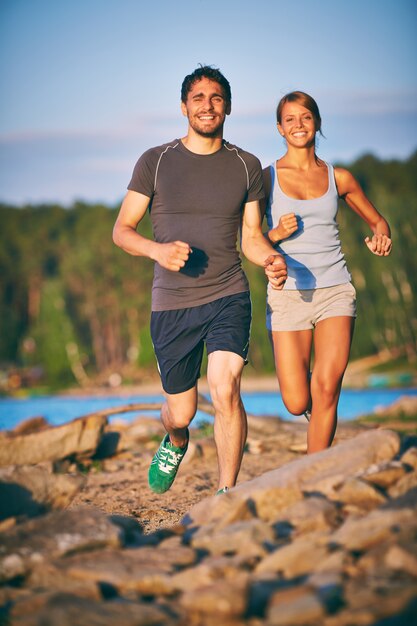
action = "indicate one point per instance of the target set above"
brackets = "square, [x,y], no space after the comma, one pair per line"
[293,309]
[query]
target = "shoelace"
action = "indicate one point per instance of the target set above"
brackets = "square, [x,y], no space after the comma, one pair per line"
[168,460]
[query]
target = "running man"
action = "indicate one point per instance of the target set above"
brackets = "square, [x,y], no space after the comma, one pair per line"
[200,190]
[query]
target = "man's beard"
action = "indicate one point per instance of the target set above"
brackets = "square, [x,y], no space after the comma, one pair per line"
[213,133]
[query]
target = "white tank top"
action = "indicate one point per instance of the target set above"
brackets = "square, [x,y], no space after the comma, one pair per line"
[313,253]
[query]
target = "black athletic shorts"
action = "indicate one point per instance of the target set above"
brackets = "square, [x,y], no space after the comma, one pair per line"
[179,336]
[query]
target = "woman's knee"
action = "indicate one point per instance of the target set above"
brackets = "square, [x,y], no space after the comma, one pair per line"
[326,389]
[295,404]
[295,396]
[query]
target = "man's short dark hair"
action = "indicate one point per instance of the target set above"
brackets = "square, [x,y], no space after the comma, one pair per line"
[209,72]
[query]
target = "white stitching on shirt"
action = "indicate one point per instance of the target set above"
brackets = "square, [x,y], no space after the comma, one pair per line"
[159,160]
[243,161]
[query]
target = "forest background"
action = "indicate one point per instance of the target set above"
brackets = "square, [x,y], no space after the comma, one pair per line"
[75,309]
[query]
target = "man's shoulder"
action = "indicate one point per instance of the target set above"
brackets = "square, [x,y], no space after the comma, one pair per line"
[157,151]
[248,157]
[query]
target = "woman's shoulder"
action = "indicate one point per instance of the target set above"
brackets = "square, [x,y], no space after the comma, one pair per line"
[345,180]
[343,175]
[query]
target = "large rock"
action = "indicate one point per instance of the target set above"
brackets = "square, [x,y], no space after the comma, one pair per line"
[141,570]
[322,472]
[65,609]
[54,535]
[80,437]
[33,490]
[382,525]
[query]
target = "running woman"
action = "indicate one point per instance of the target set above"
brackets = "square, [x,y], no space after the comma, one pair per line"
[317,305]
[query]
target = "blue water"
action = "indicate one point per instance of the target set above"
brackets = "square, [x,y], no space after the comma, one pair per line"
[60,409]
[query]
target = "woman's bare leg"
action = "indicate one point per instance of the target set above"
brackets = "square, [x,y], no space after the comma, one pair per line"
[332,341]
[292,352]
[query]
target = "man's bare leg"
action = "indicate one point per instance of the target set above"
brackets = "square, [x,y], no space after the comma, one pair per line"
[230,424]
[177,412]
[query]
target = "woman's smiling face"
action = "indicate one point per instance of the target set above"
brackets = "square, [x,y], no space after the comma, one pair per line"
[297,125]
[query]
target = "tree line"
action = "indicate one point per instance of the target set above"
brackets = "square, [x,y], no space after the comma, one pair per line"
[77,307]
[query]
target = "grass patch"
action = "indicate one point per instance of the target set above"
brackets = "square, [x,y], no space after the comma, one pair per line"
[206,428]
[381,419]
[401,423]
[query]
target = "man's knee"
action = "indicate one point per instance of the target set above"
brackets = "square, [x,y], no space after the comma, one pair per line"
[225,393]
[178,415]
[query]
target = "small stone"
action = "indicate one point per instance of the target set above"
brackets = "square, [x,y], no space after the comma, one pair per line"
[7,524]
[410,457]
[12,566]
[334,563]
[383,475]
[254,446]
[210,570]
[298,447]
[248,538]
[359,493]
[295,559]
[397,558]
[223,598]
[405,484]
[293,607]
[313,513]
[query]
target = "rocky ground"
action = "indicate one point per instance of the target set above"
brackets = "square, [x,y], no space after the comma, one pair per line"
[328,539]
[120,485]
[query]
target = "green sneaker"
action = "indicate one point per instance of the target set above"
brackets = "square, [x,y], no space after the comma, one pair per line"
[224,490]
[164,465]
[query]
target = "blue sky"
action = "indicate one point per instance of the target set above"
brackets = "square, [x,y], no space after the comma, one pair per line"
[88,85]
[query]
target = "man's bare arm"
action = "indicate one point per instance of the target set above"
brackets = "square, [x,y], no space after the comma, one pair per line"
[172,256]
[258,250]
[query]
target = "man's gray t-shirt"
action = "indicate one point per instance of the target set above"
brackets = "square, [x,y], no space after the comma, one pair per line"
[198,199]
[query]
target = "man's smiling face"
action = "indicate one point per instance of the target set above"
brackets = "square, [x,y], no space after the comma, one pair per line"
[206,108]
